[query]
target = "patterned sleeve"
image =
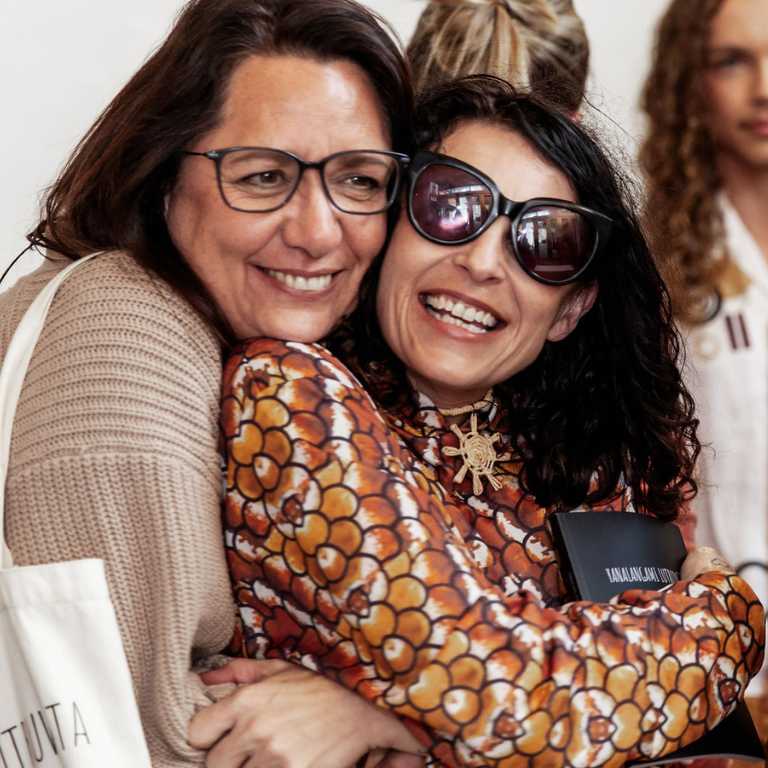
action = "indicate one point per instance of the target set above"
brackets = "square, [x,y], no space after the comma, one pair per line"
[344,562]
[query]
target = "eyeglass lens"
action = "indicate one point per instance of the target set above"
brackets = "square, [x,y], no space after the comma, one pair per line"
[264,179]
[554,243]
[450,204]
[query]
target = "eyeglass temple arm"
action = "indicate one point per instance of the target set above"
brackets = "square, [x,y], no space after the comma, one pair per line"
[211,153]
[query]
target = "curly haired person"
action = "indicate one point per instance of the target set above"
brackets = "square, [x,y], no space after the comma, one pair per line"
[706,164]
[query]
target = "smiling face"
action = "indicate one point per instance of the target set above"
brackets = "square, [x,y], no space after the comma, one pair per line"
[465,317]
[294,272]
[736,81]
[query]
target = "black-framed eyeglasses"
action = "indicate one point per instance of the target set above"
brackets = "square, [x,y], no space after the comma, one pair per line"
[450,203]
[263,179]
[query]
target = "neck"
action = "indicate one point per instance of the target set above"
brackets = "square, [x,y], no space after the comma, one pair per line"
[747,189]
[446,397]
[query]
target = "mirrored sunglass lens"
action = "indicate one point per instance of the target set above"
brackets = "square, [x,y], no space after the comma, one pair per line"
[554,243]
[362,181]
[450,204]
[257,179]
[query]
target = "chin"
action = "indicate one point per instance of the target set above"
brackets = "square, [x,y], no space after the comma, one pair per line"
[306,333]
[302,324]
[446,380]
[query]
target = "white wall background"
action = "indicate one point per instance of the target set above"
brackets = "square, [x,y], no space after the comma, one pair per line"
[61,62]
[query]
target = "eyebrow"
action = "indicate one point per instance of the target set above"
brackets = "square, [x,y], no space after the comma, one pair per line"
[738,44]
[724,48]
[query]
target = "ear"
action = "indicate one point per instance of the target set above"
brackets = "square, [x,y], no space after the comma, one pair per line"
[573,308]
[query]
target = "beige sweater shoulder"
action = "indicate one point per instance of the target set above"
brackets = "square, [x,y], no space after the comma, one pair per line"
[114,455]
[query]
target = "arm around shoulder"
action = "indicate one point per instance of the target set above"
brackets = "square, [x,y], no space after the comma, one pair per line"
[324,521]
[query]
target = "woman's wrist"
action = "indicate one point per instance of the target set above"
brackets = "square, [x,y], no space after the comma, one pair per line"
[703,559]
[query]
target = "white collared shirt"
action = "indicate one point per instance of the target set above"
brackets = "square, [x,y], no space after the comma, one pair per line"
[727,373]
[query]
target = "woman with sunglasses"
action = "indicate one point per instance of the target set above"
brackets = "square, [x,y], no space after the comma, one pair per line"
[526,363]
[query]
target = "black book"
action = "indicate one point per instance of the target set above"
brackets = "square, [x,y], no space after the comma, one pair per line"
[605,553]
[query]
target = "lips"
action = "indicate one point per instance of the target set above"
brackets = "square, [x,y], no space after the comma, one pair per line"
[758,127]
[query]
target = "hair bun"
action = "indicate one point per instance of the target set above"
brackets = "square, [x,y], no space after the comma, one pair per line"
[536,45]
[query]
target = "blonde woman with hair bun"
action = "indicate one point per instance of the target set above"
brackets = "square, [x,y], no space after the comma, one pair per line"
[537,45]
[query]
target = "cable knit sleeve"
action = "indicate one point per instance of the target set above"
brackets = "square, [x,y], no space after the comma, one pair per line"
[343,562]
[114,456]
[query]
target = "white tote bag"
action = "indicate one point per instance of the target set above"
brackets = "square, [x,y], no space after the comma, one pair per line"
[66,696]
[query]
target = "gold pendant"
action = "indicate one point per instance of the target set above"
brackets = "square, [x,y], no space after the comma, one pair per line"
[478,454]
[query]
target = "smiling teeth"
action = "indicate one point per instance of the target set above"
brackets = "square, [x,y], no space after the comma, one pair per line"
[300,283]
[449,309]
[451,320]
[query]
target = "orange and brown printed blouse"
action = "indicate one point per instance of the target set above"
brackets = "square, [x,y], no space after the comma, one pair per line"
[353,552]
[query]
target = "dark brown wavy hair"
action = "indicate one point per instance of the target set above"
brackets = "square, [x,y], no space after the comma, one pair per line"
[607,404]
[681,211]
[111,192]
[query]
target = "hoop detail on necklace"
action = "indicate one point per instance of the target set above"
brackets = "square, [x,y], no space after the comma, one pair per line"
[478,454]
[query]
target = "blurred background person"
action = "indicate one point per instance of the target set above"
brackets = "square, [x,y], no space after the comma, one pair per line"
[539,45]
[706,163]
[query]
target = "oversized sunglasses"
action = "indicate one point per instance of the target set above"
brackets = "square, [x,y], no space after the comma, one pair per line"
[450,202]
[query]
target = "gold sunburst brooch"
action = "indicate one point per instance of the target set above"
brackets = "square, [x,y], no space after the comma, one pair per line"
[478,454]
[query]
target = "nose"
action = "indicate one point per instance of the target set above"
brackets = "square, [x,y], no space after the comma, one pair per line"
[311,222]
[761,85]
[484,258]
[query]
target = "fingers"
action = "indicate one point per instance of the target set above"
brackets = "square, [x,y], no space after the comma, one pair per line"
[211,723]
[376,758]
[264,760]
[242,671]
[703,559]
[383,758]
[217,676]
[402,760]
[240,749]
[389,730]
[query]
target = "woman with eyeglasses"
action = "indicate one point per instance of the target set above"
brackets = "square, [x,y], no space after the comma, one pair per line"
[518,347]
[237,186]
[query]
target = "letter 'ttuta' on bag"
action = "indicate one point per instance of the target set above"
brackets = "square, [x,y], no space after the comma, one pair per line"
[66,695]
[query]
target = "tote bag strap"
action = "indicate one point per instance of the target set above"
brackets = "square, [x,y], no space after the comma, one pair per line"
[12,374]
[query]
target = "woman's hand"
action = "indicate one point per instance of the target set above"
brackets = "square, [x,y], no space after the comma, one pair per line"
[703,559]
[245,671]
[284,716]
[390,758]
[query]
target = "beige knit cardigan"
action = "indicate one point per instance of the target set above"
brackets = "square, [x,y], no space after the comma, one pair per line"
[114,455]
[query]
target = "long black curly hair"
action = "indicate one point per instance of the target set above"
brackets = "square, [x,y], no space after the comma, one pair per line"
[606,406]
